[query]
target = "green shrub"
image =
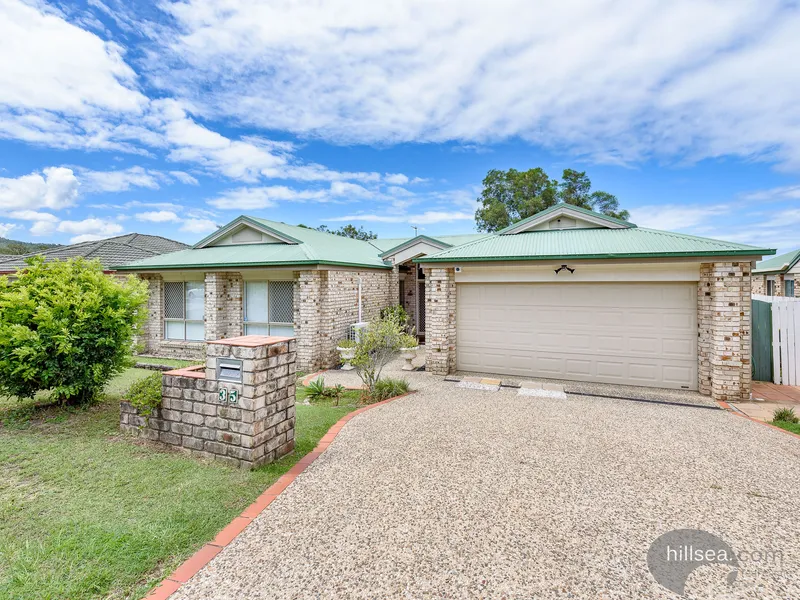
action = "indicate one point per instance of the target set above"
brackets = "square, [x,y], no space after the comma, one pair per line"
[398,314]
[346,344]
[785,414]
[316,391]
[377,344]
[408,341]
[66,327]
[388,388]
[145,394]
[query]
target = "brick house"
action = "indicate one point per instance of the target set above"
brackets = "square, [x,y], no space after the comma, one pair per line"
[565,294]
[776,276]
[255,276]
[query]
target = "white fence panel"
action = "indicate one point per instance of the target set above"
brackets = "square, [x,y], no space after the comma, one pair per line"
[785,340]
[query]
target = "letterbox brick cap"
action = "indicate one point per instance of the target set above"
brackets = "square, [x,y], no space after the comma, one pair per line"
[251,341]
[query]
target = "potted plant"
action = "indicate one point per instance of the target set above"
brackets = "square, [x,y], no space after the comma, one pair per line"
[347,350]
[408,350]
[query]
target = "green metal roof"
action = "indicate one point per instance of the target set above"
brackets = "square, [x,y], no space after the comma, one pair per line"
[590,244]
[778,264]
[387,244]
[543,214]
[313,248]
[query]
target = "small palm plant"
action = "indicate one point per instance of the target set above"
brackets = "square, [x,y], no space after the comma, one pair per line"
[785,415]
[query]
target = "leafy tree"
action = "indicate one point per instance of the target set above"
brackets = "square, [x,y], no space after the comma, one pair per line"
[66,327]
[510,196]
[377,345]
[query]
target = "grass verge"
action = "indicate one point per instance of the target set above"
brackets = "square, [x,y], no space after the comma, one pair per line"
[793,427]
[86,512]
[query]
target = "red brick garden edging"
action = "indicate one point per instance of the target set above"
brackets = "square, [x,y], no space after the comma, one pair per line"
[202,557]
[732,410]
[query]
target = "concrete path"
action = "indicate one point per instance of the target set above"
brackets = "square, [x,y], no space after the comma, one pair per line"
[459,493]
[767,398]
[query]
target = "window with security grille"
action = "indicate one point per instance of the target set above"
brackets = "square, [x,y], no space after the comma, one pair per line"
[184,310]
[269,308]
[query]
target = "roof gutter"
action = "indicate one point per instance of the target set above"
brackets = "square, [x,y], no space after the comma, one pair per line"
[451,259]
[332,263]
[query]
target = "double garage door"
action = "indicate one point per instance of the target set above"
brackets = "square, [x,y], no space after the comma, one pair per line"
[626,333]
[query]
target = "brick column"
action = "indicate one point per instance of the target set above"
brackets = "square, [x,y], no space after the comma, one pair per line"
[153,328]
[723,316]
[200,414]
[394,286]
[308,319]
[223,305]
[440,320]
[760,285]
[780,290]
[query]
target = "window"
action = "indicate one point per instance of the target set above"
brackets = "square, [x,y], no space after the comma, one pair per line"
[789,288]
[184,308]
[770,287]
[269,308]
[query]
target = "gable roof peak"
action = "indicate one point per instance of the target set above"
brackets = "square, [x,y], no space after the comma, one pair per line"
[596,219]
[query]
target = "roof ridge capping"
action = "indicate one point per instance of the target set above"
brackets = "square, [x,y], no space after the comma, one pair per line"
[778,264]
[563,207]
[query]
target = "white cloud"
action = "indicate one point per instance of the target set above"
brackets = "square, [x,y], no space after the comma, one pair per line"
[675,217]
[352,190]
[120,181]
[89,229]
[5,228]
[425,218]
[32,215]
[157,216]
[59,67]
[184,177]
[57,188]
[396,178]
[64,86]
[199,226]
[42,228]
[617,81]
[788,192]
[262,197]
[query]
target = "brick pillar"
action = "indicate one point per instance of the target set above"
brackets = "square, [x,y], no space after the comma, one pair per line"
[723,314]
[153,328]
[223,305]
[394,287]
[780,290]
[440,320]
[760,285]
[308,319]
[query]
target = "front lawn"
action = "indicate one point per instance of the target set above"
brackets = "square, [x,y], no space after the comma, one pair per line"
[86,512]
[788,426]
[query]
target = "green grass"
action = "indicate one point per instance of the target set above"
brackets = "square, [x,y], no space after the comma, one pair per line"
[86,512]
[793,427]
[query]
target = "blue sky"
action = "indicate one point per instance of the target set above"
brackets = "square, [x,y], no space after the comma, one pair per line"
[174,117]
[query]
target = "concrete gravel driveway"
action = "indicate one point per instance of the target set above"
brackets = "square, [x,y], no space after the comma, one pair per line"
[454,493]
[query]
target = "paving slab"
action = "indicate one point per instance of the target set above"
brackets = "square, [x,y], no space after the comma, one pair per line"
[456,493]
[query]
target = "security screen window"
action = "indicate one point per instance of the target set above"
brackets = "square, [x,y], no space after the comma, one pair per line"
[269,308]
[184,310]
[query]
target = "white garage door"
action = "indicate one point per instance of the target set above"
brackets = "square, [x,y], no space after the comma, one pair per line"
[628,333]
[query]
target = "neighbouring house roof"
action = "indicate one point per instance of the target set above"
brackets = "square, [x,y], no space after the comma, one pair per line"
[618,240]
[778,264]
[289,245]
[386,245]
[112,252]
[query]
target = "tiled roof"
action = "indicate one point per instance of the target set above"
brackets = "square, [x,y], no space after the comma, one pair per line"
[111,252]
